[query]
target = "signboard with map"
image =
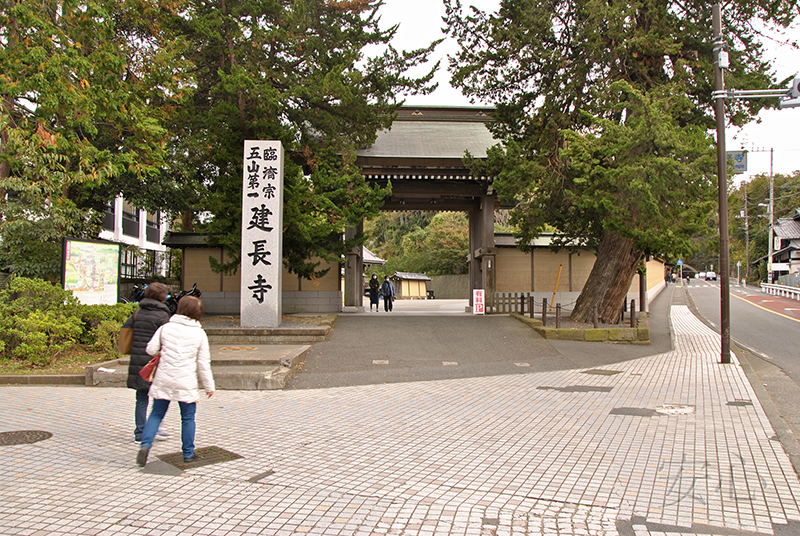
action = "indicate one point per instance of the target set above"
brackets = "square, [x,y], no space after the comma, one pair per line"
[90,269]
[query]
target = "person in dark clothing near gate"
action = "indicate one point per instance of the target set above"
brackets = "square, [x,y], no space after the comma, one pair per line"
[151,315]
[374,293]
[387,291]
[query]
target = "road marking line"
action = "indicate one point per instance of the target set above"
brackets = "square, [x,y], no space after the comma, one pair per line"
[449,363]
[769,310]
[380,361]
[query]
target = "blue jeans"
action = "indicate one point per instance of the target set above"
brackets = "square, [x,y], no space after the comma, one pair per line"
[141,412]
[187,424]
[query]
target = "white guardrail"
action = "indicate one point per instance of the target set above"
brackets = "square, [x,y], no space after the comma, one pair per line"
[781,290]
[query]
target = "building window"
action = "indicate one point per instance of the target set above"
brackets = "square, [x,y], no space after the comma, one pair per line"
[128,264]
[130,219]
[108,218]
[130,211]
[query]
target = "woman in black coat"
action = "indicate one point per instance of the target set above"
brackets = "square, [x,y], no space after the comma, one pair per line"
[152,313]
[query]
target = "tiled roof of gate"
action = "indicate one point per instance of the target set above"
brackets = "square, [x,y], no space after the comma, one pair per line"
[441,139]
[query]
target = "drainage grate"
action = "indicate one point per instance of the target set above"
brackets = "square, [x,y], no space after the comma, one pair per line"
[258,477]
[206,456]
[634,412]
[740,403]
[577,389]
[669,409]
[601,372]
[23,437]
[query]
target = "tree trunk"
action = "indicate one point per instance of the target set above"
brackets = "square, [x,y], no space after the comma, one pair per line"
[609,281]
[5,167]
[187,221]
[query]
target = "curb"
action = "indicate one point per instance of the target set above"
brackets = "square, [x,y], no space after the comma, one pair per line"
[43,379]
[639,335]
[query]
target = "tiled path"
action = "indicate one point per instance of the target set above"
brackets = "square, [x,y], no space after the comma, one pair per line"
[669,444]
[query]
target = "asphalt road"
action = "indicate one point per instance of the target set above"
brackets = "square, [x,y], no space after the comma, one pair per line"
[768,326]
[437,340]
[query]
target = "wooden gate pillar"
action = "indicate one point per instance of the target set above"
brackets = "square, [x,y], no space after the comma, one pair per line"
[482,250]
[488,250]
[475,278]
[354,272]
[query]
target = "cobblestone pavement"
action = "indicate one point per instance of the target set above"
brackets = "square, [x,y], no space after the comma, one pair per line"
[669,444]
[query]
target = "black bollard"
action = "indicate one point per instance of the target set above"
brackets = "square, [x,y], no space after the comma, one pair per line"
[522,304]
[558,315]
[530,304]
[633,313]
[544,311]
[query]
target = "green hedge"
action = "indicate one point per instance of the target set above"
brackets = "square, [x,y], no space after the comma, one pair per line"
[39,321]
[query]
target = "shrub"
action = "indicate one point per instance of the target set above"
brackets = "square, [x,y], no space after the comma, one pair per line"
[105,335]
[39,321]
[40,336]
[25,294]
[95,316]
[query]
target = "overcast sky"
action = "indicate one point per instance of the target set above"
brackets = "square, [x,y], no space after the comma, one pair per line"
[421,22]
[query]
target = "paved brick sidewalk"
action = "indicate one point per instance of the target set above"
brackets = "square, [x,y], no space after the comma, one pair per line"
[670,444]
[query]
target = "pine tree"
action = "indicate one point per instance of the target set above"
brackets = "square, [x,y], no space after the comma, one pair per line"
[293,71]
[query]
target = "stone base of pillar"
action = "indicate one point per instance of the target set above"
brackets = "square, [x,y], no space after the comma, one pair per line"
[351,309]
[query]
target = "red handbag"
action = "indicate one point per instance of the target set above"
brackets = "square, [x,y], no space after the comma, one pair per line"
[149,370]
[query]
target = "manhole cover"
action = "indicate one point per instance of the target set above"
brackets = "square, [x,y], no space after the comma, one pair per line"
[237,348]
[23,437]
[205,456]
[740,403]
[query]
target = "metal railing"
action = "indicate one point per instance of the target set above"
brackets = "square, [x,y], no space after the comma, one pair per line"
[789,280]
[781,290]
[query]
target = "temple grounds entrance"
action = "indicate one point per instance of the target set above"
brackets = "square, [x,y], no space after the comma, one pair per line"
[422,158]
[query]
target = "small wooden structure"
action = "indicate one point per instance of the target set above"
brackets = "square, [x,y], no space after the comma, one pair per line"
[410,286]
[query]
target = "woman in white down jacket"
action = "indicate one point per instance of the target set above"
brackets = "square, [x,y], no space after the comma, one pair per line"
[184,356]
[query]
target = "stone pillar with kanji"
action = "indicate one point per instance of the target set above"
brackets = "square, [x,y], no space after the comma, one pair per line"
[262,236]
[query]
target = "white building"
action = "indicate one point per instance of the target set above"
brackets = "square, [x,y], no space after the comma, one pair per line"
[126,224]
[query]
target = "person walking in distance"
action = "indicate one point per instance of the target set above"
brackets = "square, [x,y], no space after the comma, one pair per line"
[151,315]
[184,356]
[374,292]
[387,291]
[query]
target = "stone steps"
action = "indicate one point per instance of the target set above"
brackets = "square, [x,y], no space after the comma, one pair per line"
[235,367]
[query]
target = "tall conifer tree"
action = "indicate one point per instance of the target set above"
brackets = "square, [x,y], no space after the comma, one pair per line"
[296,71]
[604,109]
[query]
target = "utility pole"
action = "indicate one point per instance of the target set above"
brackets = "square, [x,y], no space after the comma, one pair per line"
[771,216]
[720,63]
[746,235]
[789,98]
